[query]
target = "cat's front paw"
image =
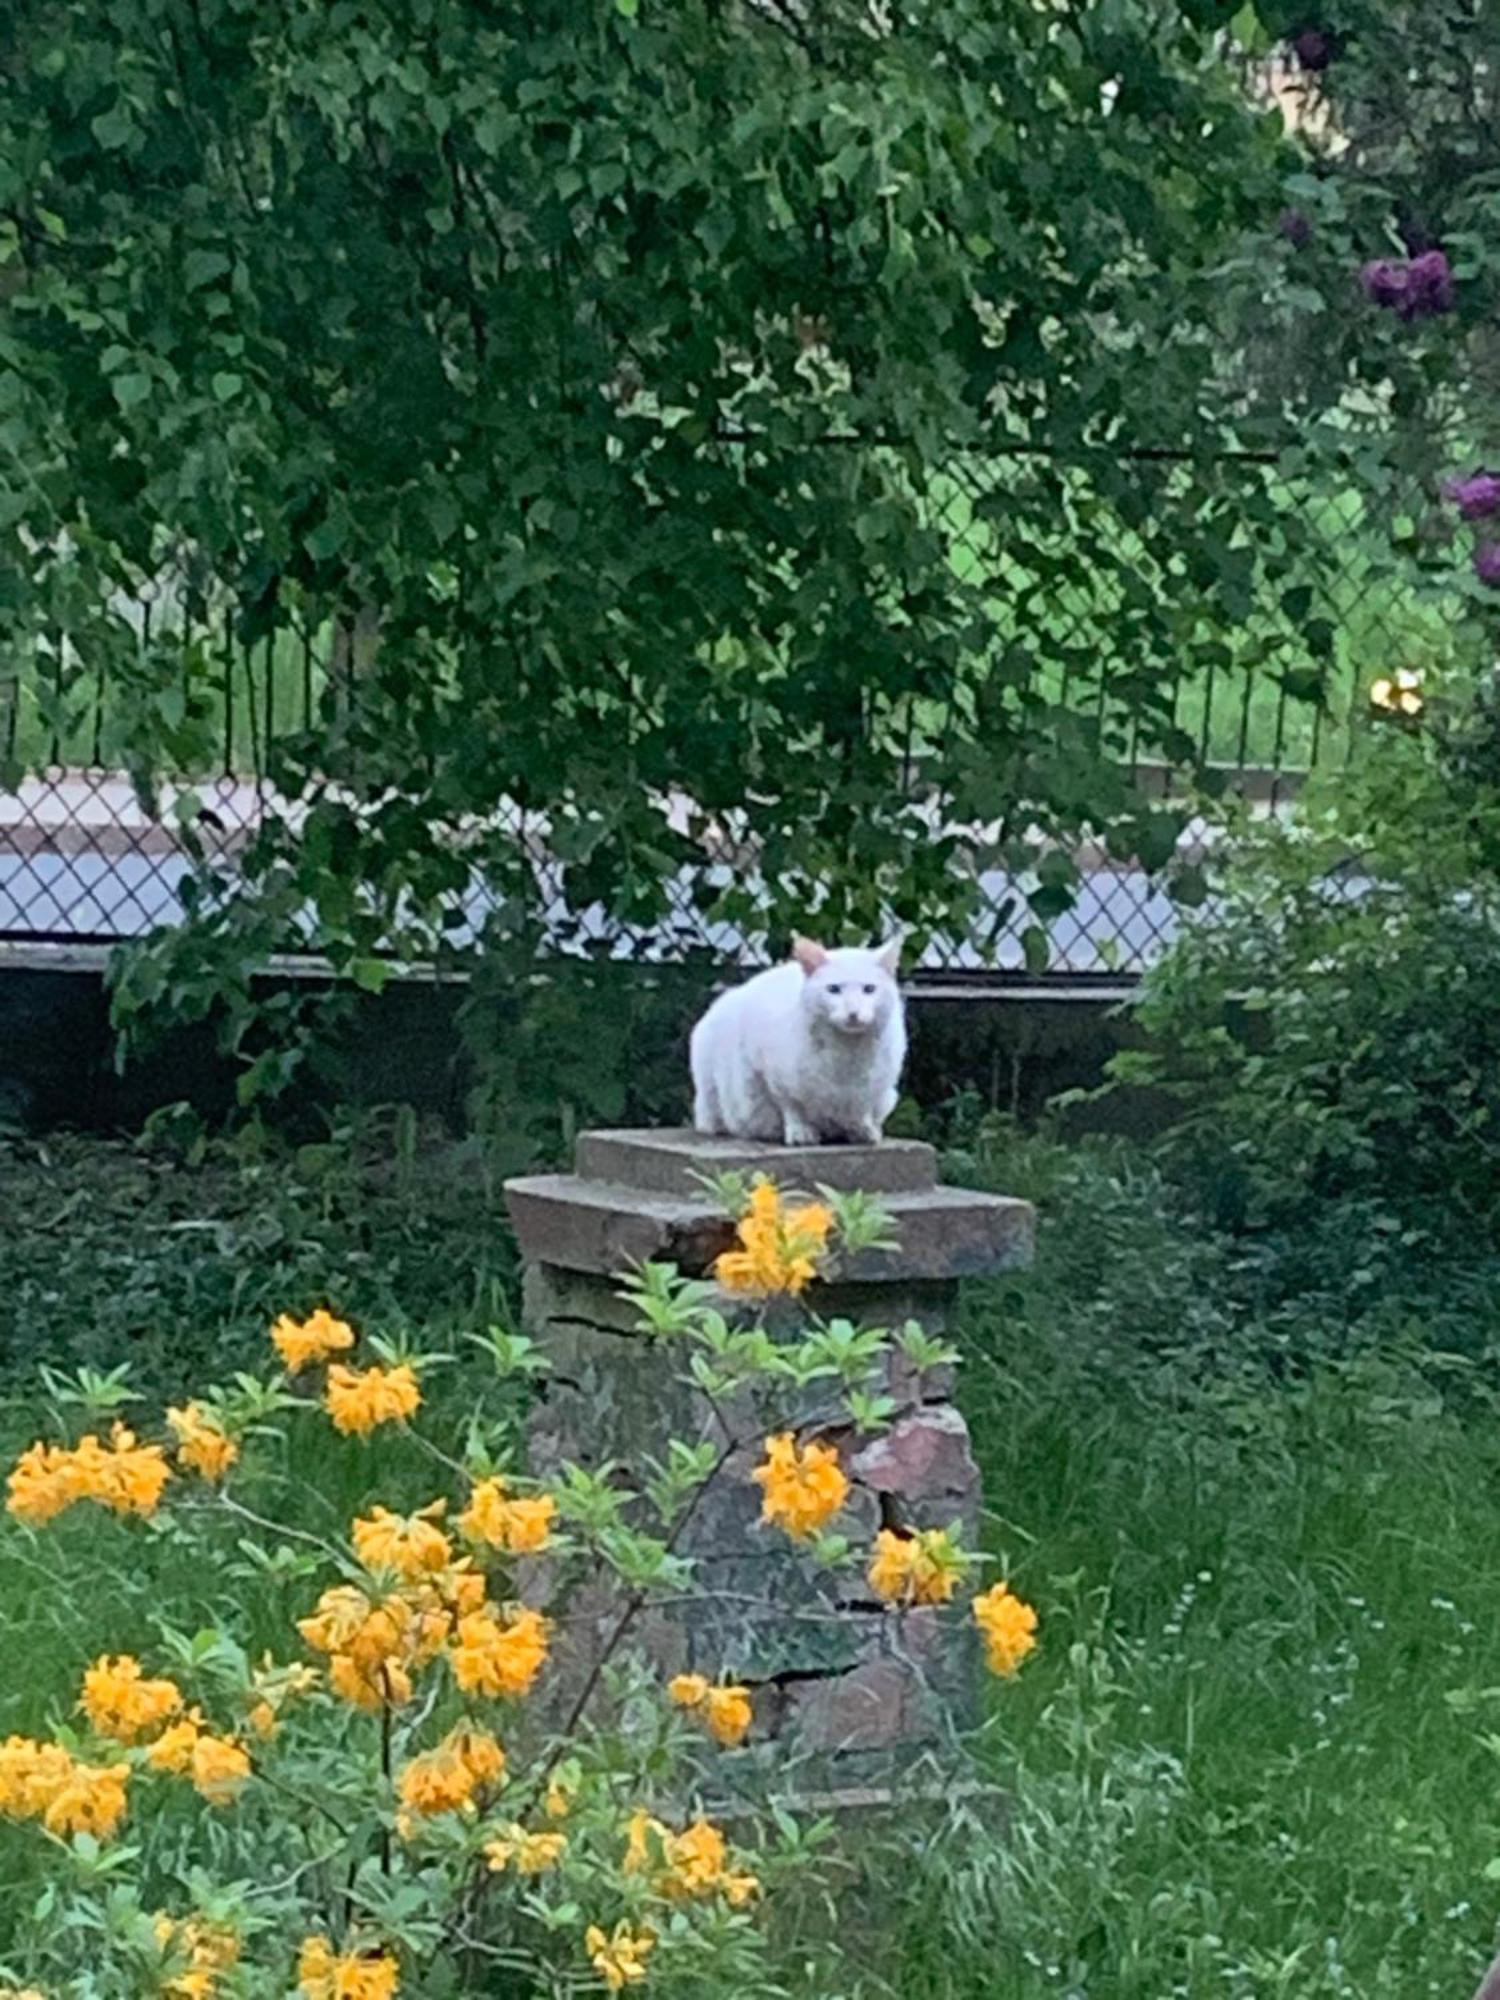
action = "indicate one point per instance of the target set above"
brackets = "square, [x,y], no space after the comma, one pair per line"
[799,1133]
[868,1133]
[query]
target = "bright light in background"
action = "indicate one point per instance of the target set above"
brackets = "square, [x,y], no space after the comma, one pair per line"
[1397,694]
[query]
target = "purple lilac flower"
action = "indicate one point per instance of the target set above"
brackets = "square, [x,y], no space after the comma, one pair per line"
[1385,281]
[1313,48]
[1487,563]
[1476,497]
[1295,227]
[1429,286]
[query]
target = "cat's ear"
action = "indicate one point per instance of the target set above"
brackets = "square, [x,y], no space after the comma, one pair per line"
[889,955]
[808,953]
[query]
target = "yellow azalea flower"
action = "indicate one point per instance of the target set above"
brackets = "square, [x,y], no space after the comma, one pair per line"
[387,1683]
[779,1250]
[42,1483]
[684,1865]
[1008,1625]
[499,1659]
[410,1544]
[618,1956]
[803,1487]
[528,1853]
[445,1779]
[124,1476]
[728,1714]
[91,1799]
[356,1975]
[923,1568]
[725,1710]
[201,1441]
[562,1788]
[302,1343]
[121,1704]
[688,1690]
[46,1782]
[372,1643]
[30,1775]
[359,1401]
[263,1721]
[200,1951]
[218,1769]
[520,1526]
[173,1749]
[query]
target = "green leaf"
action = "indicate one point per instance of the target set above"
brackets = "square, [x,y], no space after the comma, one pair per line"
[226,384]
[371,975]
[115,128]
[201,267]
[129,390]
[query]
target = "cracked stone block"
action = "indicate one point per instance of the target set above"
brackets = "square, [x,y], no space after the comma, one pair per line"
[925,1464]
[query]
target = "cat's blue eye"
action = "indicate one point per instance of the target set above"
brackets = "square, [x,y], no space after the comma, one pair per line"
[869,989]
[835,989]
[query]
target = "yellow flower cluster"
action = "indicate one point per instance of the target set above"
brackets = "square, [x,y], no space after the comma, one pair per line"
[520,1526]
[685,1865]
[779,1248]
[447,1777]
[323,1974]
[216,1765]
[803,1487]
[69,1795]
[374,1644]
[43,1781]
[410,1544]
[1008,1625]
[122,1704]
[304,1343]
[499,1653]
[528,1852]
[924,1568]
[202,1444]
[619,1956]
[360,1399]
[122,1475]
[357,1399]
[198,1952]
[724,1710]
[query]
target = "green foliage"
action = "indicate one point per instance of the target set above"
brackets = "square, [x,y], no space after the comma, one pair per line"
[177,1265]
[1329,1031]
[590,381]
[1244,1759]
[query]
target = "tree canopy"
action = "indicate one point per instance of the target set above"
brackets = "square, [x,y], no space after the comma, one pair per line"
[607,366]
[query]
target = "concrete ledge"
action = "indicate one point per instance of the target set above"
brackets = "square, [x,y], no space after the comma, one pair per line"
[575,1222]
[672,1161]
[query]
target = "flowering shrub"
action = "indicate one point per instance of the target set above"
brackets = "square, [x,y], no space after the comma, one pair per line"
[407,1796]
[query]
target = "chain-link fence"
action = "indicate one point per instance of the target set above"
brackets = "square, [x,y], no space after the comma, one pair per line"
[1259,669]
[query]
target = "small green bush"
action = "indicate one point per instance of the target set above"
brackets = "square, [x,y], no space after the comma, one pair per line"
[1330,1025]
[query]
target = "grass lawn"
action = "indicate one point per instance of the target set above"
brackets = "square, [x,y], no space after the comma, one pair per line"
[1249,1758]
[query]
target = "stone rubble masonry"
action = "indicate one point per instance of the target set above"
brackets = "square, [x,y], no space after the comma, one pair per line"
[841,1685]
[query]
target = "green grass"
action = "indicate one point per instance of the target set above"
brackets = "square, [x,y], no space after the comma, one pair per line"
[1246,1760]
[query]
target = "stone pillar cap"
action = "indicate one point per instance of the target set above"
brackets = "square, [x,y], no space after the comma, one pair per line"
[586,1221]
[675,1159]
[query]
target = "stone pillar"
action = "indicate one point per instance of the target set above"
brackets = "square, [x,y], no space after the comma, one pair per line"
[837,1679]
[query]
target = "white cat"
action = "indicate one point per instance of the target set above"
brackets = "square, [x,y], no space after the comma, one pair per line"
[809,1051]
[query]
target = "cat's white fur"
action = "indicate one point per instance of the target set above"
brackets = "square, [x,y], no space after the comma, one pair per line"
[810,1051]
